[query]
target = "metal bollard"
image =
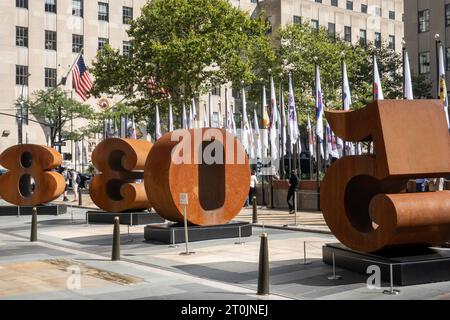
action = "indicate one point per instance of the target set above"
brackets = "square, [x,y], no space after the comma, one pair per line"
[33,236]
[80,196]
[263,268]
[116,240]
[391,291]
[255,211]
[334,276]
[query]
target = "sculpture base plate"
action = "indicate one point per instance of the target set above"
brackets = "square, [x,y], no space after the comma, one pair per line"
[126,218]
[410,265]
[46,210]
[173,233]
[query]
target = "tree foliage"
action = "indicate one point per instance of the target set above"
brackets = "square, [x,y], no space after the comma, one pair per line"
[46,105]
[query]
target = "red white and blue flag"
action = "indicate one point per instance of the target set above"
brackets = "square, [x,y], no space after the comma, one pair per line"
[81,80]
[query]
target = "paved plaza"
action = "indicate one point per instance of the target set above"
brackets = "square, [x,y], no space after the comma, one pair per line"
[219,269]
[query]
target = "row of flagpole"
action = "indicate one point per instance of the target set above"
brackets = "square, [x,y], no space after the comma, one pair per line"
[275,140]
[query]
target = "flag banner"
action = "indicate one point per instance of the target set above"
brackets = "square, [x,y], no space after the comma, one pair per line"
[310,138]
[273,122]
[192,114]
[170,118]
[408,80]
[347,102]
[265,124]
[332,151]
[81,79]
[133,128]
[245,131]
[442,85]
[377,89]
[257,137]
[184,124]
[123,127]
[293,123]
[158,133]
[116,129]
[205,121]
[155,89]
[319,107]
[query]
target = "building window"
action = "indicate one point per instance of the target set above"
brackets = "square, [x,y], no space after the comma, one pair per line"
[318,1]
[315,24]
[447,51]
[348,34]
[22,4]
[50,40]
[334,3]
[50,6]
[22,37]
[424,62]
[378,39]
[254,1]
[127,15]
[77,8]
[297,20]
[349,5]
[50,78]
[126,48]
[447,15]
[364,8]
[378,11]
[424,21]
[22,75]
[392,15]
[77,43]
[102,42]
[332,30]
[363,37]
[103,14]
[392,42]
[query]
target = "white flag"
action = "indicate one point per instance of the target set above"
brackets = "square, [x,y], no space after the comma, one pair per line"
[377,89]
[265,124]
[170,118]
[123,127]
[133,128]
[257,137]
[347,98]
[293,124]
[310,137]
[408,81]
[158,125]
[319,108]
[244,124]
[273,121]
[192,114]
[442,85]
[184,117]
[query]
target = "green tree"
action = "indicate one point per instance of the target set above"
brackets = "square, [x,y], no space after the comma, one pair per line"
[421,86]
[187,46]
[46,105]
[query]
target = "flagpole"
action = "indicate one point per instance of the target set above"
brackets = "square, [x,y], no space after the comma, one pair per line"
[437,43]
[344,143]
[404,69]
[209,107]
[262,142]
[373,78]
[282,147]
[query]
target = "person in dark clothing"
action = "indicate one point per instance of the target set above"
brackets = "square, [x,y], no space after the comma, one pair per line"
[293,183]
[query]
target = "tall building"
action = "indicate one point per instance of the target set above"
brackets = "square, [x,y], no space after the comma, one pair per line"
[40,40]
[427,22]
[358,20]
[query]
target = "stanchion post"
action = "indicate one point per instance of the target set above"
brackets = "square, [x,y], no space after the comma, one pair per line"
[174,243]
[304,254]
[184,200]
[116,240]
[33,236]
[263,268]
[391,291]
[240,237]
[80,196]
[255,211]
[334,276]
[295,207]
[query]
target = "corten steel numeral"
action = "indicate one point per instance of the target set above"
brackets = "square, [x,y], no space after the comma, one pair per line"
[29,181]
[121,162]
[363,198]
[216,191]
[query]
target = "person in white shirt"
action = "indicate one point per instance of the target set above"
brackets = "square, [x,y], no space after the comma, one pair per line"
[75,183]
[253,183]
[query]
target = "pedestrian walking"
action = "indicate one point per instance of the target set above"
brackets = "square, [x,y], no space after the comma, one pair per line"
[293,183]
[253,183]
[76,179]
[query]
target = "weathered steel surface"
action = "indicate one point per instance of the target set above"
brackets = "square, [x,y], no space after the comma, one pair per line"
[121,163]
[29,181]
[216,192]
[364,199]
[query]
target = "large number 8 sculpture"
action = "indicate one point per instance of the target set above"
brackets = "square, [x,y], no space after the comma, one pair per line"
[363,198]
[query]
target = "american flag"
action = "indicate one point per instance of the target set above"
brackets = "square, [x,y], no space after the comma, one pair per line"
[81,79]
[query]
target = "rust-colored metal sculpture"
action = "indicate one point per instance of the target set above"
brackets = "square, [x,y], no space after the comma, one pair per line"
[216,190]
[121,163]
[363,198]
[29,181]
